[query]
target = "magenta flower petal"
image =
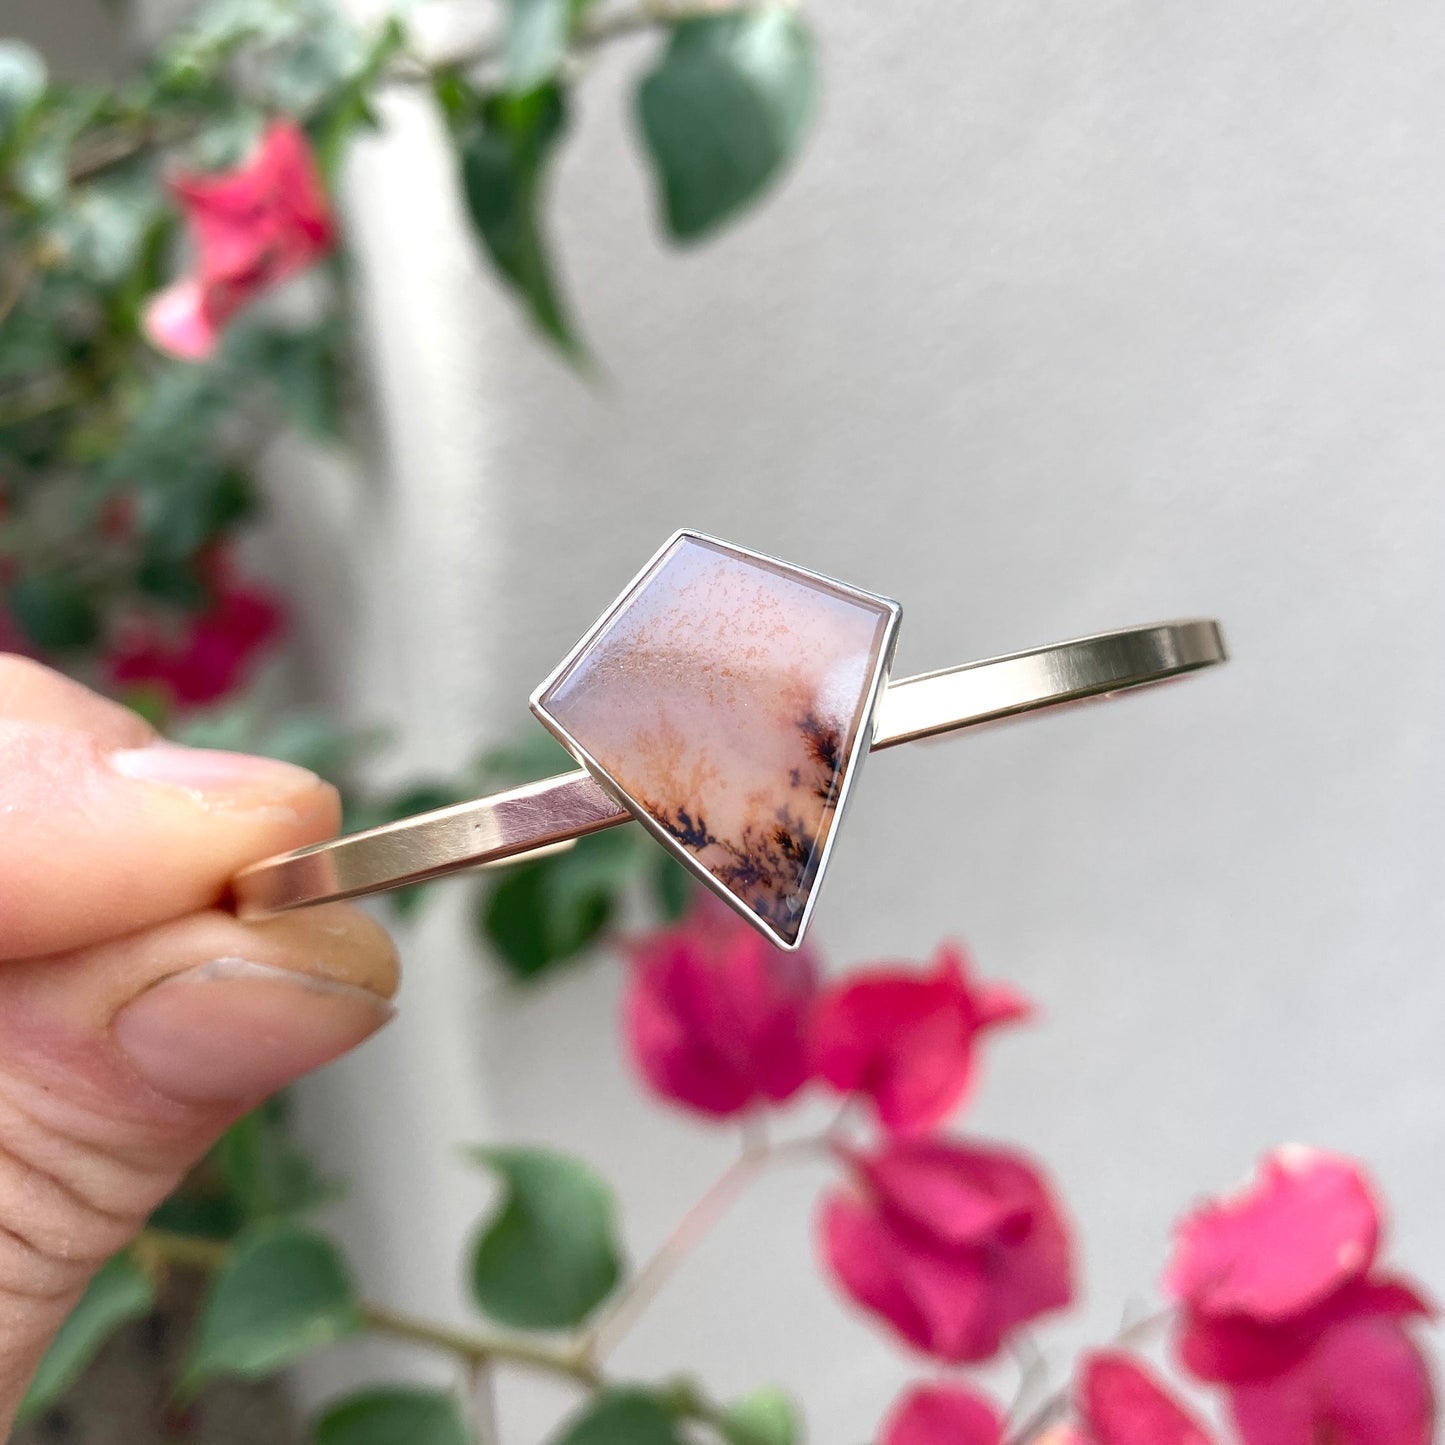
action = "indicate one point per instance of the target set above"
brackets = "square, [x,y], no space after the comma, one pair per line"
[905,1040]
[952,1245]
[1123,1403]
[716,1018]
[253,227]
[943,1415]
[1363,1383]
[1306,1226]
[176,321]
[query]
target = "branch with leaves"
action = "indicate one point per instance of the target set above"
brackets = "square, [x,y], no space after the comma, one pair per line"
[138,390]
[135,395]
[957,1248]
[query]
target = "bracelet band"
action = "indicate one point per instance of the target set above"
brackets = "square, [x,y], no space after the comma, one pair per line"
[538,817]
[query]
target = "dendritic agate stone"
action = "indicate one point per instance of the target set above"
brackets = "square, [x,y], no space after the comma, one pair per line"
[726,699]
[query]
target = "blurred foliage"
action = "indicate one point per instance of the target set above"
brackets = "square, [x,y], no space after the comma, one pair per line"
[550,1254]
[122,1291]
[383,1417]
[128,477]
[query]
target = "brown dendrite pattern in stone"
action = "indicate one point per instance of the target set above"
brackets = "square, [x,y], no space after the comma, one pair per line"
[771,867]
[723,697]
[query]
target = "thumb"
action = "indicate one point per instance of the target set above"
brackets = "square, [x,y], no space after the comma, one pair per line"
[121,1064]
[97,840]
[136,1023]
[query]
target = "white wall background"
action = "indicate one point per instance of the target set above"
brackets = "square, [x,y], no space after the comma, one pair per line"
[1074,315]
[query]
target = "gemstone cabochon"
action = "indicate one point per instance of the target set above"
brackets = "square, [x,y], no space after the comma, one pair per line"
[724,698]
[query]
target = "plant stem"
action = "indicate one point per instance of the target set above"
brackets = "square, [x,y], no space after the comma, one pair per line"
[645,15]
[183,1250]
[694,1226]
[482,1348]
[482,1402]
[121,144]
[476,1348]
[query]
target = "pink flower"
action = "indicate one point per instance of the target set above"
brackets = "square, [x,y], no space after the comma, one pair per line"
[716,1017]
[1363,1382]
[1283,1304]
[253,228]
[954,1245]
[212,657]
[1306,1227]
[942,1415]
[905,1040]
[1122,1403]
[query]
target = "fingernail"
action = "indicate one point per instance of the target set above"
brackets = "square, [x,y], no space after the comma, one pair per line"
[209,774]
[233,1029]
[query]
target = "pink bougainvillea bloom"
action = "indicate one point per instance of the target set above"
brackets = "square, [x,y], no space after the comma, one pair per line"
[716,1017]
[942,1415]
[211,657]
[1120,1402]
[954,1245]
[253,227]
[905,1040]
[1363,1382]
[1307,1225]
[1283,1303]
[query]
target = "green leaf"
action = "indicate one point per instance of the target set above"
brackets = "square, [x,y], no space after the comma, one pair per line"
[407,903]
[393,1417]
[724,111]
[621,1417]
[304,368]
[179,512]
[535,754]
[283,1292]
[549,1255]
[308,739]
[504,151]
[546,912]
[208,1213]
[318,744]
[765,1417]
[264,1172]
[536,41]
[672,886]
[41,168]
[105,230]
[416,798]
[54,611]
[22,83]
[122,1291]
[316,65]
[350,109]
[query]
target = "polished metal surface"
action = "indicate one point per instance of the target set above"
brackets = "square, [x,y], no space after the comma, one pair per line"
[1107,663]
[532,820]
[538,817]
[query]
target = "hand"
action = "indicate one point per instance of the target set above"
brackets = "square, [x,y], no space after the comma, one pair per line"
[137,1020]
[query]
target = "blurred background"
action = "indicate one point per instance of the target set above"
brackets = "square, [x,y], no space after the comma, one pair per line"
[1068,317]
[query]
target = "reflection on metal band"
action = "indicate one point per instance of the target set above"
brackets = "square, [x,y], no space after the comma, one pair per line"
[539,817]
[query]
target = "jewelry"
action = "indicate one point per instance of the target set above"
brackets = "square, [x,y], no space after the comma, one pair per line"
[725,701]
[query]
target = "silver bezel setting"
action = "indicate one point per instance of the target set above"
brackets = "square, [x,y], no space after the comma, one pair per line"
[861,743]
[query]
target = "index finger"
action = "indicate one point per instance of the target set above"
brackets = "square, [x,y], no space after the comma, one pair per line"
[100,836]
